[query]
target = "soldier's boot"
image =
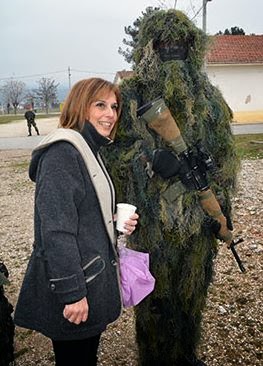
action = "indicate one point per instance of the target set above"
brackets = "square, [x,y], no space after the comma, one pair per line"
[29,131]
[37,131]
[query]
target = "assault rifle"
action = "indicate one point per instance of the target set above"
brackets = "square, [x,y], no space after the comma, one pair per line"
[190,164]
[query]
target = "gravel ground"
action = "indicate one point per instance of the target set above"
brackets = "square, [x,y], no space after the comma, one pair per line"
[232,319]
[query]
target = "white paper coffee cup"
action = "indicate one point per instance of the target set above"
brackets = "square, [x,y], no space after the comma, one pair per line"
[124,212]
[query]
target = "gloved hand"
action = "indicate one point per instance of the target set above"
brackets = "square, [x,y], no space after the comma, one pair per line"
[165,163]
[215,225]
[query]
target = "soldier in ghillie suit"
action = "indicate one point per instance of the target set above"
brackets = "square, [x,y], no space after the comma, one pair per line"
[168,58]
[7,327]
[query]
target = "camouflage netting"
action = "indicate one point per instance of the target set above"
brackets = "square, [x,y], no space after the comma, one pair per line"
[173,228]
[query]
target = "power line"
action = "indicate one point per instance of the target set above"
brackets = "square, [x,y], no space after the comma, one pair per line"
[94,72]
[66,72]
[33,75]
[198,11]
[57,72]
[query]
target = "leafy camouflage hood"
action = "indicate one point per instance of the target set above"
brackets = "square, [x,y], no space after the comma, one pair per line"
[171,32]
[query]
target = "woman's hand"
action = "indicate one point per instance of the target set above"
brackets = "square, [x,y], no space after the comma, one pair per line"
[77,312]
[130,225]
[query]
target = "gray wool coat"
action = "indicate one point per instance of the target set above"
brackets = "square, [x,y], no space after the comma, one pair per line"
[73,255]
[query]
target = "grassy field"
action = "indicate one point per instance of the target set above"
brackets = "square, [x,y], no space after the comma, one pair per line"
[250,146]
[9,118]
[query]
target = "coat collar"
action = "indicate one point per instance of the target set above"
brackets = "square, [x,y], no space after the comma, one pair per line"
[93,138]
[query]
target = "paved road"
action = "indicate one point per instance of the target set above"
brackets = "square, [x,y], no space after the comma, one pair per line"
[14,135]
[250,128]
[13,143]
[10,143]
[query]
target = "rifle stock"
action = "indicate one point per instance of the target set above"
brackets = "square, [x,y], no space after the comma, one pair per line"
[211,206]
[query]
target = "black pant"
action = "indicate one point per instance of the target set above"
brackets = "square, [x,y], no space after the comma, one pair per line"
[76,352]
[29,126]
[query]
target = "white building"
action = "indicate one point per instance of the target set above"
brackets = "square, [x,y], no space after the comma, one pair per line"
[235,66]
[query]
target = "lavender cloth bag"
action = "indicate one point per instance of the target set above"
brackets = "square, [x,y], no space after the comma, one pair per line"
[136,280]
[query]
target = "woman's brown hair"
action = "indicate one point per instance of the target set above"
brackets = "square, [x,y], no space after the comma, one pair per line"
[79,100]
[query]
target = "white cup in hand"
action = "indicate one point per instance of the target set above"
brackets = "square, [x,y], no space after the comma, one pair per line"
[124,212]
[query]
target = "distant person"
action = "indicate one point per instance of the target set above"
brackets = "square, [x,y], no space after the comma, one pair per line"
[30,117]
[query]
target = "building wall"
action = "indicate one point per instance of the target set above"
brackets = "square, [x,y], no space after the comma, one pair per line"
[242,88]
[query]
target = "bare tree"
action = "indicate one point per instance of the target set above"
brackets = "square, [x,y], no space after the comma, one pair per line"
[13,93]
[30,98]
[47,92]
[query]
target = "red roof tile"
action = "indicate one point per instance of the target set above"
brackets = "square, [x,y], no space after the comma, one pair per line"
[229,49]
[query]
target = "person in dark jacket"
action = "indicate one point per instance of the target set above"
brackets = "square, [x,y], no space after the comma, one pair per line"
[71,290]
[30,118]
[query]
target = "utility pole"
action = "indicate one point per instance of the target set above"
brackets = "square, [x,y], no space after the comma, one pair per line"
[204,14]
[204,26]
[69,76]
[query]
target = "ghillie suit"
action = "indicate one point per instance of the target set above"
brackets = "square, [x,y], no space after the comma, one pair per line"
[168,58]
[7,327]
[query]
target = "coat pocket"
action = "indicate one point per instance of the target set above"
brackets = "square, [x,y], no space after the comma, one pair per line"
[93,268]
[64,284]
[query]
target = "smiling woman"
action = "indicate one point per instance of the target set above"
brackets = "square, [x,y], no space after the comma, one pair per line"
[103,113]
[74,259]
[94,100]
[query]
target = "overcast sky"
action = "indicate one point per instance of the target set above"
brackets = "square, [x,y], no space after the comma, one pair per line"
[42,38]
